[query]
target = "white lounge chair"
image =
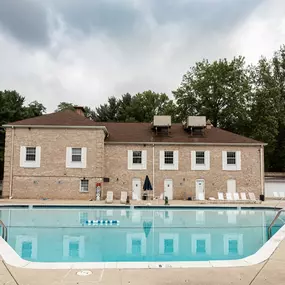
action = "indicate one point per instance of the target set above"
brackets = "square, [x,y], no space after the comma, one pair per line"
[124,195]
[243,196]
[252,197]
[109,198]
[236,196]
[282,194]
[221,196]
[201,197]
[275,195]
[229,196]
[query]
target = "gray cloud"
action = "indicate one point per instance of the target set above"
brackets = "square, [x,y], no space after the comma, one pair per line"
[25,20]
[85,51]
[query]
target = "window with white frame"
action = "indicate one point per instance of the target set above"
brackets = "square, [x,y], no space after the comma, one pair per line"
[76,154]
[168,243]
[27,246]
[200,160]
[231,157]
[137,159]
[233,244]
[168,157]
[76,157]
[136,244]
[201,244]
[169,160]
[73,247]
[30,156]
[84,184]
[231,160]
[200,157]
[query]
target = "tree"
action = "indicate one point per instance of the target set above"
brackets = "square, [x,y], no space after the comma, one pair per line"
[12,109]
[64,106]
[219,90]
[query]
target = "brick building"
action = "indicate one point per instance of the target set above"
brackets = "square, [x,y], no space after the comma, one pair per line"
[65,155]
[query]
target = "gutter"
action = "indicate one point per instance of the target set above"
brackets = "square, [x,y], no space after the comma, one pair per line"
[57,127]
[186,143]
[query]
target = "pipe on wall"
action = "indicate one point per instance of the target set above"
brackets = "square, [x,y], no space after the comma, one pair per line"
[11,163]
[153,170]
[262,169]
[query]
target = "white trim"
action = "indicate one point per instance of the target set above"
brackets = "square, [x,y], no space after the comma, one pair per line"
[81,242]
[80,189]
[30,164]
[205,166]
[12,258]
[138,236]
[137,166]
[196,237]
[165,166]
[231,167]
[76,164]
[56,127]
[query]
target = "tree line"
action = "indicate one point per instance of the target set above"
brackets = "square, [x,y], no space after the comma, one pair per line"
[245,99]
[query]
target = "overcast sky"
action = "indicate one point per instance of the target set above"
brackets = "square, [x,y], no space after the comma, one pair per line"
[84,51]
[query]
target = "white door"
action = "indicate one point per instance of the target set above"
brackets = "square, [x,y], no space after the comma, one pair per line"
[168,188]
[136,193]
[274,186]
[231,186]
[200,187]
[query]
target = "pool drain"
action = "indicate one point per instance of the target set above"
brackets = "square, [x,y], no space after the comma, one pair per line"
[84,273]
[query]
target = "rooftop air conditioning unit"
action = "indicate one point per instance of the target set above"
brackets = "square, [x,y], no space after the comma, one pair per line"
[196,121]
[162,121]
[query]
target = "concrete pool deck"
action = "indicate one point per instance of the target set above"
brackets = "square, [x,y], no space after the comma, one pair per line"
[269,272]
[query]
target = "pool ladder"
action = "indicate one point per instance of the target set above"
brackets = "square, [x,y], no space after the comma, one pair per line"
[273,222]
[4,230]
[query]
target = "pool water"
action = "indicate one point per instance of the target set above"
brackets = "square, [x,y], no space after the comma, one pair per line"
[62,235]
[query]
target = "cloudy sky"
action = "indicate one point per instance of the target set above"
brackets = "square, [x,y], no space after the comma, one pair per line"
[84,51]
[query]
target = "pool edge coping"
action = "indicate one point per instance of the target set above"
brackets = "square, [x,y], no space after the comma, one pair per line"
[10,257]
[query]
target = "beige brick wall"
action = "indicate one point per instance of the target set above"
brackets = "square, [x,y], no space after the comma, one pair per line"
[184,180]
[53,180]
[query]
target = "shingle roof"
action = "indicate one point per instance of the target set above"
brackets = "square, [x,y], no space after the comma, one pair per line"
[141,132]
[63,118]
[136,132]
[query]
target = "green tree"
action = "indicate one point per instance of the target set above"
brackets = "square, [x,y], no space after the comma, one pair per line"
[12,109]
[64,106]
[220,90]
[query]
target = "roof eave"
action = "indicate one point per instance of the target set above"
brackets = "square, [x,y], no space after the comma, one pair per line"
[190,143]
[57,127]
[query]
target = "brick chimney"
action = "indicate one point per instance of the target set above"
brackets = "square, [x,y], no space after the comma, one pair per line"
[80,110]
[208,124]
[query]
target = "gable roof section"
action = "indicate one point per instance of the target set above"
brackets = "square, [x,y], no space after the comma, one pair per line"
[141,132]
[63,118]
[133,132]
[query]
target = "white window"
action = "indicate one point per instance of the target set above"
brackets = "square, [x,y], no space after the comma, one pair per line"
[76,154]
[137,159]
[169,160]
[84,185]
[200,160]
[30,156]
[73,246]
[76,157]
[83,217]
[231,160]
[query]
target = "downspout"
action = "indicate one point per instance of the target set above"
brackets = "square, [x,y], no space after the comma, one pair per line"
[262,169]
[153,170]
[11,163]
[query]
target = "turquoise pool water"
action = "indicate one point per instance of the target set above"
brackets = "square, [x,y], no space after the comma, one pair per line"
[62,235]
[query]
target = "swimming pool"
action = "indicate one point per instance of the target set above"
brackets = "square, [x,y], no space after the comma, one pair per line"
[74,235]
